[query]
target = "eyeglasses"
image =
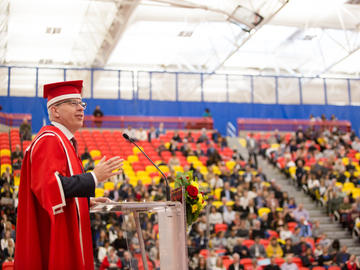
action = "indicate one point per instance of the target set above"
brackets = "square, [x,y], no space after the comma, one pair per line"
[73,103]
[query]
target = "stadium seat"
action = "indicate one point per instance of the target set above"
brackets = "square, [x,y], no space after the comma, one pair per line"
[248,243]
[8,265]
[279,261]
[109,186]
[217,204]
[220,227]
[5,152]
[133,158]
[99,192]
[263,210]
[95,153]
[297,261]
[192,159]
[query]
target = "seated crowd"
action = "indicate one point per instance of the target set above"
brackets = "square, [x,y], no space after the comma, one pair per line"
[250,223]
[325,164]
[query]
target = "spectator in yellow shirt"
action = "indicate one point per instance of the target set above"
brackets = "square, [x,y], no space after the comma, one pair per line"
[274,249]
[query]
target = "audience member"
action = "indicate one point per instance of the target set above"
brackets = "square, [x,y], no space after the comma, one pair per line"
[25,130]
[98,116]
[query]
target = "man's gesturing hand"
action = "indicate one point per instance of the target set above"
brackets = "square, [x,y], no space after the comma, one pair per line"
[104,169]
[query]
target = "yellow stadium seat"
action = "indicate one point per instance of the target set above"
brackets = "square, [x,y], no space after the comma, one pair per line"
[5,153]
[275,145]
[242,141]
[109,186]
[231,203]
[348,185]
[263,210]
[279,209]
[347,174]
[150,169]
[3,168]
[167,145]
[218,193]
[216,169]
[292,171]
[16,180]
[142,174]
[178,169]
[265,184]
[356,174]
[192,159]
[136,150]
[197,164]
[217,204]
[84,162]
[203,170]
[241,172]
[357,156]
[339,184]
[133,158]
[129,173]
[95,153]
[133,181]
[230,164]
[204,185]
[165,169]
[126,163]
[146,180]
[345,161]
[156,179]
[307,168]
[99,192]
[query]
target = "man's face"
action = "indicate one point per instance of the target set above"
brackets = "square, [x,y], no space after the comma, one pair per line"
[70,114]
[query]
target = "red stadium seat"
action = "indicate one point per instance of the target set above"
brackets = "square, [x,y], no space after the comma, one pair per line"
[220,227]
[246,261]
[292,226]
[248,243]
[8,265]
[279,261]
[297,261]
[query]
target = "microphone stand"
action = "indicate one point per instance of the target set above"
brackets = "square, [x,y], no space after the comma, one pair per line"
[152,162]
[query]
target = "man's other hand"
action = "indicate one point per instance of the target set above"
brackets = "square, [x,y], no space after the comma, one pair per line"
[108,168]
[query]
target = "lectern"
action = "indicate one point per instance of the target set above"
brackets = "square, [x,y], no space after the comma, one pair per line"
[172,229]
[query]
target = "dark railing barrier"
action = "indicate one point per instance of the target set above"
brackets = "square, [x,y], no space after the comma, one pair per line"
[14,119]
[148,121]
[257,124]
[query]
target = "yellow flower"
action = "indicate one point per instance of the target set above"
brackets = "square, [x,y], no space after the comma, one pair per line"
[194,208]
[201,199]
[195,184]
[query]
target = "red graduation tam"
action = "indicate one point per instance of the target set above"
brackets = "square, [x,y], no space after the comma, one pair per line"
[56,92]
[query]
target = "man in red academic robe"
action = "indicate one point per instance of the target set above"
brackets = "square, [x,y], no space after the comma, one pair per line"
[53,226]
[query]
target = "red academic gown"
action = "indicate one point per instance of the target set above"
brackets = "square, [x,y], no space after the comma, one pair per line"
[53,232]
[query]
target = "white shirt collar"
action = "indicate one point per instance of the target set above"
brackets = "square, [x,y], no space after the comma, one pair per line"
[64,130]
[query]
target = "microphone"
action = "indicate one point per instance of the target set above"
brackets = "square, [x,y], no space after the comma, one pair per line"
[152,162]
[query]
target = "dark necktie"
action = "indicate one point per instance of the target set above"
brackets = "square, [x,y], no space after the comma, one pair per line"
[74,142]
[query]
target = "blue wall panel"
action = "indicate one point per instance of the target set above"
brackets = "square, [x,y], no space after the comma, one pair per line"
[222,112]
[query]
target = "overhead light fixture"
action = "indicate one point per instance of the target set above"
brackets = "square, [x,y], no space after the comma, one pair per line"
[185,33]
[53,30]
[245,17]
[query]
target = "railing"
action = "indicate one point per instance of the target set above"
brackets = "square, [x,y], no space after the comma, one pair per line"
[289,124]
[14,119]
[148,121]
[230,130]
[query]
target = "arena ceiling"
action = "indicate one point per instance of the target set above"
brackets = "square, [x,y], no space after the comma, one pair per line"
[299,37]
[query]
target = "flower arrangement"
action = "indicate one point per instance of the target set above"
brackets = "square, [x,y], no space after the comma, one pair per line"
[195,199]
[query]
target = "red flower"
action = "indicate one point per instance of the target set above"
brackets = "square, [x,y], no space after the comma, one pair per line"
[192,191]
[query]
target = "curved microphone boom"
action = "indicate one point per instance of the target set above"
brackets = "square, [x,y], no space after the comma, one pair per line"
[152,162]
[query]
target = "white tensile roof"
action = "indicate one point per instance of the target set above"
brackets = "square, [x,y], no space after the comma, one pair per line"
[297,37]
